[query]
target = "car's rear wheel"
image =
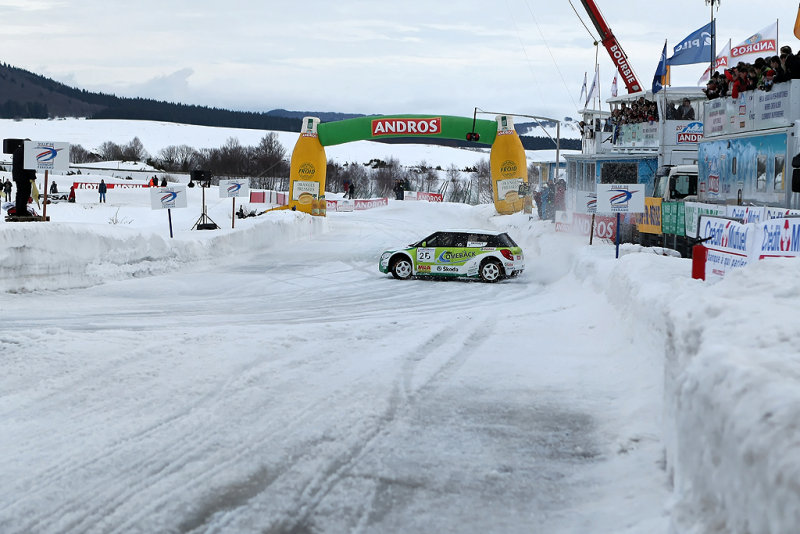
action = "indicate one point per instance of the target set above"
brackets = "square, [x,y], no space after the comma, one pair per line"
[402,268]
[491,270]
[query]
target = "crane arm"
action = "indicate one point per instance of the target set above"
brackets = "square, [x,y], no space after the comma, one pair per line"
[613,47]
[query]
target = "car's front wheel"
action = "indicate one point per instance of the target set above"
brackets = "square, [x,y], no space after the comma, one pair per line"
[491,271]
[402,268]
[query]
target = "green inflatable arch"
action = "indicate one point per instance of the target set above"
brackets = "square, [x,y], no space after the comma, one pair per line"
[382,127]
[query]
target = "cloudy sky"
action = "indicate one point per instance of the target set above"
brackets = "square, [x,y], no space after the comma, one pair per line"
[359,56]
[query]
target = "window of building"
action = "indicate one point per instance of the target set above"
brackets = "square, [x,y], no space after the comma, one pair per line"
[777,180]
[761,172]
[618,173]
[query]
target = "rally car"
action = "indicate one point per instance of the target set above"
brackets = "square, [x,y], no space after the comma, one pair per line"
[484,254]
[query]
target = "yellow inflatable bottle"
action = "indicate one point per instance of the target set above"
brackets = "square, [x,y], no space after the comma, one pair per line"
[308,167]
[508,166]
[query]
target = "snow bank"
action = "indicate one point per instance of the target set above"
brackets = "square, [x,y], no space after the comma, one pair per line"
[732,402]
[65,255]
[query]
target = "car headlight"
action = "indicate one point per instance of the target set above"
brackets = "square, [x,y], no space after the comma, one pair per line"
[385,256]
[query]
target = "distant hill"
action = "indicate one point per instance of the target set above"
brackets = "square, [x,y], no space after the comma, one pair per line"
[26,95]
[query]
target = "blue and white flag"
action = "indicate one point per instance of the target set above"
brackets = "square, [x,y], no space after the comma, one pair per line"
[659,79]
[696,48]
[583,89]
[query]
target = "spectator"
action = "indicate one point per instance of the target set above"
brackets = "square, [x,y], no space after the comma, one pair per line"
[780,74]
[102,190]
[53,188]
[163,181]
[685,111]
[791,63]
[712,90]
[71,197]
[740,81]
[7,189]
[768,81]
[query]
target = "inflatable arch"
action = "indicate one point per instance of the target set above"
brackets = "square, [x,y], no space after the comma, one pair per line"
[509,168]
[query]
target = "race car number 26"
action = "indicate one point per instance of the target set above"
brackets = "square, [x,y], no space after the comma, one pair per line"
[425,255]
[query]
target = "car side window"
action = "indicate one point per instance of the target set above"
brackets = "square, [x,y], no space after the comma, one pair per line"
[477,240]
[433,240]
[459,240]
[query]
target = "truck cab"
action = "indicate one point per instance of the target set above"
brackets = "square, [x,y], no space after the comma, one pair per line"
[674,183]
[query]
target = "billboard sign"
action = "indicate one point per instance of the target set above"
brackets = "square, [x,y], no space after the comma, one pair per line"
[46,156]
[162,198]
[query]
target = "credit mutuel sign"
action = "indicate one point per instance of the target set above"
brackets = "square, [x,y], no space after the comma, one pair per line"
[407,126]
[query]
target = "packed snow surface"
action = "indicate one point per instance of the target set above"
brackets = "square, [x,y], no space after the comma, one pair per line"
[269,378]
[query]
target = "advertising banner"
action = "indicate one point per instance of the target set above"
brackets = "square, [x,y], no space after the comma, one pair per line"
[605,227]
[693,211]
[651,220]
[620,198]
[162,198]
[779,238]
[46,156]
[730,244]
[361,204]
[746,214]
[586,202]
[239,187]
[673,218]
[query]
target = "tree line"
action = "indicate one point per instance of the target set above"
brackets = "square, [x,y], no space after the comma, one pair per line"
[267,167]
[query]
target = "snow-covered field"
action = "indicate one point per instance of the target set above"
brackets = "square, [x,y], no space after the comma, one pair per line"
[268,378]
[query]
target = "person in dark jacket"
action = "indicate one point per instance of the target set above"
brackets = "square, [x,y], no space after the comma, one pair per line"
[7,189]
[22,177]
[102,190]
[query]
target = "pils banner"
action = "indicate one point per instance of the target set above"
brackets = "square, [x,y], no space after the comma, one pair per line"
[695,48]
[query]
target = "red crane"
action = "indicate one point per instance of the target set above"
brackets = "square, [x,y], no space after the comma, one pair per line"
[612,45]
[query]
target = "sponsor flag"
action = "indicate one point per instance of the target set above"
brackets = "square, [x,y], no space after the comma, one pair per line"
[583,89]
[760,44]
[797,24]
[614,84]
[695,48]
[662,72]
[592,89]
[722,62]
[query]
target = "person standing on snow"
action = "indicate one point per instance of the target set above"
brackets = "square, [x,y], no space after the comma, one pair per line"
[102,190]
[7,189]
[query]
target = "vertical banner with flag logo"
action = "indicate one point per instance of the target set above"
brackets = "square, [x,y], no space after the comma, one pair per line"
[660,77]
[614,84]
[592,89]
[721,63]
[583,89]
[695,48]
[762,43]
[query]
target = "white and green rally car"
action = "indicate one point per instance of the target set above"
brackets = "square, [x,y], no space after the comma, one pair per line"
[483,254]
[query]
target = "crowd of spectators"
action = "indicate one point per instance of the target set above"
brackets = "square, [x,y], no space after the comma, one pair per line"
[762,74]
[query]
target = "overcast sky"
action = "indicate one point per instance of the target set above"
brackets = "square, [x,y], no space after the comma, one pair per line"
[361,56]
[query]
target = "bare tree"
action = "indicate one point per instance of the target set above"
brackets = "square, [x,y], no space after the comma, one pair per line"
[110,151]
[134,151]
[78,154]
[483,177]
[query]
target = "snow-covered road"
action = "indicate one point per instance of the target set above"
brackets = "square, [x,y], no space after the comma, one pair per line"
[297,389]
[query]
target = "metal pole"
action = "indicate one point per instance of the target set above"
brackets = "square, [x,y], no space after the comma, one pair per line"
[617,236]
[558,146]
[169,216]
[233,212]
[44,209]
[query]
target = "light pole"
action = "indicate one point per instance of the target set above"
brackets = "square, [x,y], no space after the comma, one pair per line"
[713,36]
